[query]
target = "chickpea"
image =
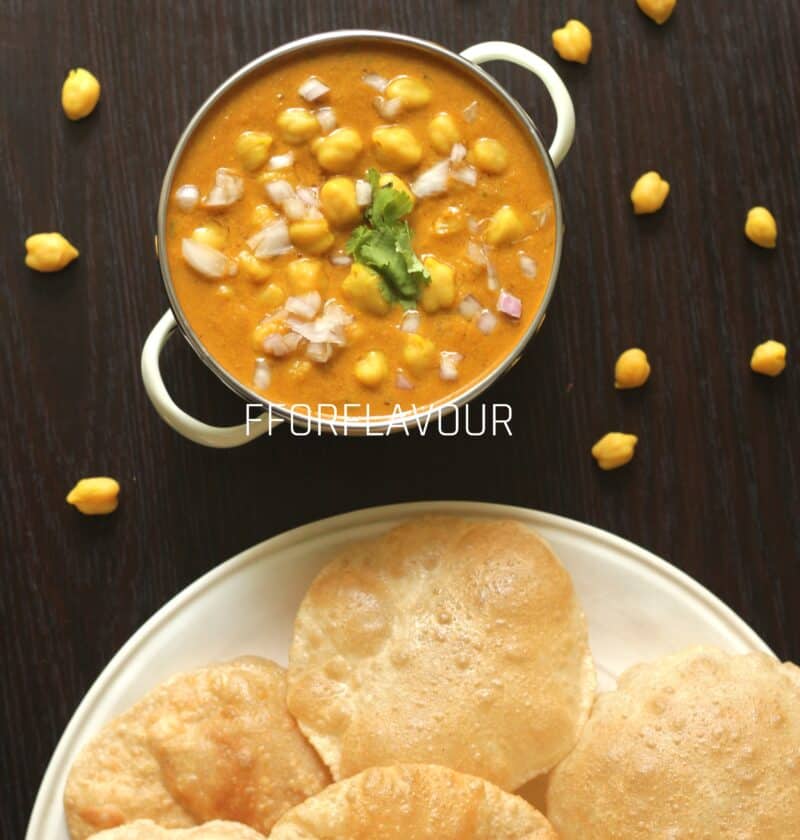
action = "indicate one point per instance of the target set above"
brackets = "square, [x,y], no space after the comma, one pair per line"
[632,369]
[396,146]
[573,42]
[212,234]
[306,275]
[95,496]
[769,358]
[658,10]
[504,227]
[297,126]
[252,267]
[79,94]
[489,156]
[440,293]
[443,133]
[372,368]
[338,151]
[262,215]
[397,183]
[649,193]
[272,296]
[311,235]
[265,329]
[362,286]
[338,201]
[412,92]
[761,228]
[614,450]
[49,252]
[252,149]
[419,354]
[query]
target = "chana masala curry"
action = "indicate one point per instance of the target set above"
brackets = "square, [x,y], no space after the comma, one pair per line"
[367,226]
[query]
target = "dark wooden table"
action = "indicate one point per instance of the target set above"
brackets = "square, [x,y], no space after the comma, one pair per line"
[715,486]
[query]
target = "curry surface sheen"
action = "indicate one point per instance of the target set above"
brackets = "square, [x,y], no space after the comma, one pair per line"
[225,313]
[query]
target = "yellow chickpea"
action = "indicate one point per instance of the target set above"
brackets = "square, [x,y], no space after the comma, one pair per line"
[338,201]
[632,369]
[297,126]
[212,234]
[419,354]
[573,42]
[306,275]
[339,150]
[95,496]
[396,147]
[262,215]
[761,228]
[769,358]
[649,193]
[362,286]
[272,296]
[658,10]
[252,149]
[79,94]
[614,450]
[412,92]
[397,183]
[264,330]
[440,293]
[49,252]
[372,368]
[313,236]
[443,132]
[252,267]
[489,155]
[505,227]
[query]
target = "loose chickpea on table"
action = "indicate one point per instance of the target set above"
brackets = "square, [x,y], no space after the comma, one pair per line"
[649,193]
[761,228]
[632,369]
[769,358]
[48,252]
[573,42]
[95,496]
[658,10]
[79,94]
[614,450]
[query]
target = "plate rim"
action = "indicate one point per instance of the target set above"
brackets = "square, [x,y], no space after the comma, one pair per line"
[361,517]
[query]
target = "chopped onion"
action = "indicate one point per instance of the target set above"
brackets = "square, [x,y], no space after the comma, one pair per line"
[363,193]
[469,307]
[187,197]
[275,344]
[262,376]
[509,304]
[279,191]
[304,306]
[411,321]
[283,161]
[467,175]
[295,209]
[292,340]
[271,240]
[448,365]
[375,81]
[527,265]
[403,382]
[312,89]
[432,181]
[476,253]
[388,108]
[540,216]
[458,153]
[487,321]
[228,188]
[326,117]
[471,112]
[327,329]
[341,259]
[491,276]
[319,351]
[205,259]
[309,196]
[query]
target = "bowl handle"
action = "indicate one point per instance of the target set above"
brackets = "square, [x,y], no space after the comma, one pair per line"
[565,112]
[219,437]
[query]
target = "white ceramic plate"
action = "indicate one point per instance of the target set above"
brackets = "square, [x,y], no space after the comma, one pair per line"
[638,608]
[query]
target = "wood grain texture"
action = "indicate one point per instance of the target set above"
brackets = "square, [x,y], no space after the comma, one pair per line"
[715,486]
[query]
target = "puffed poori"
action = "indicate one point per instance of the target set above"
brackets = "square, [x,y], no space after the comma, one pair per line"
[148,830]
[413,802]
[700,745]
[444,641]
[215,743]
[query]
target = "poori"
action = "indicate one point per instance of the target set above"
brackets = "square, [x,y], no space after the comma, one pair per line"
[413,802]
[701,744]
[215,743]
[148,830]
[445,641]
